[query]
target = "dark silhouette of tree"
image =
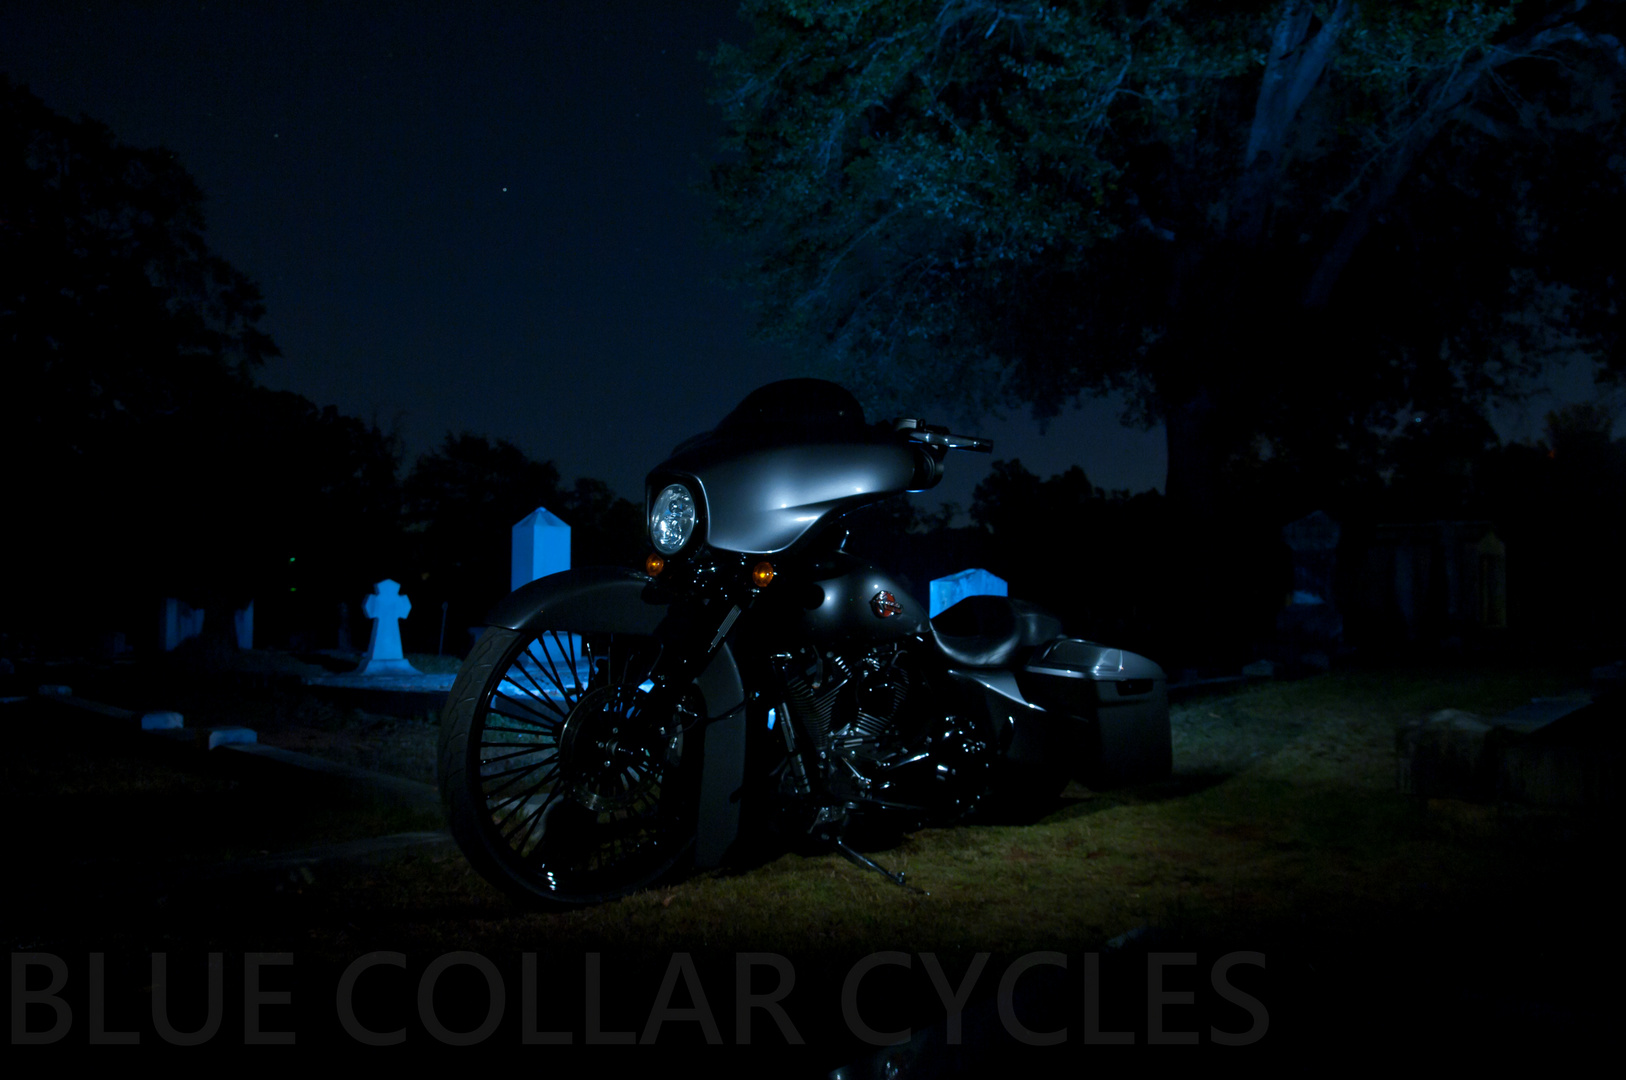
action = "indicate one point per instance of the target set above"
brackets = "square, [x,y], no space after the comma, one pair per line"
[462,502]
[1107,563]
[314,507]
[114,306]
[126,342]
[605,529]
[1278,226]
[150,464]
[1557,505]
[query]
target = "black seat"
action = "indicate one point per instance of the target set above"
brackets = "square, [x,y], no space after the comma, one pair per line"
[987,631]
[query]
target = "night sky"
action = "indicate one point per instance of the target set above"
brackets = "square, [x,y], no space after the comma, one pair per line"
[487,217]
[474,217]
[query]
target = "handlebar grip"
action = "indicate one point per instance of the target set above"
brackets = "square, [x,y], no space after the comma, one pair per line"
[921,432]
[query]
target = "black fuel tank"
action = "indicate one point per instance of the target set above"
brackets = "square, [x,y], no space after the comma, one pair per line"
[852,600]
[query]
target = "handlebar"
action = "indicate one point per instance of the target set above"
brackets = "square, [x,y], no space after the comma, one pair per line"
[921,432]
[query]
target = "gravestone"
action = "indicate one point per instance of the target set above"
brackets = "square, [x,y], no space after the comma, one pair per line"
[177,622]
[948,591]
[344,628]
[242,622]
[1439,578]
[1311,619]
[386,607]
[541,546]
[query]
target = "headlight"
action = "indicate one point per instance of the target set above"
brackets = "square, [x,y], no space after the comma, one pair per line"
[672,519]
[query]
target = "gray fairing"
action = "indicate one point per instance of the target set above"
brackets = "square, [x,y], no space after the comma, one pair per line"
[759,497]
[602,599]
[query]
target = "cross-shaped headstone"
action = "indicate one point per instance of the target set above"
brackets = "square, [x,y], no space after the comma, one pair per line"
[386,607]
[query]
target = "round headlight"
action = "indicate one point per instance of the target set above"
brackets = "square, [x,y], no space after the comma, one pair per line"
[672,519]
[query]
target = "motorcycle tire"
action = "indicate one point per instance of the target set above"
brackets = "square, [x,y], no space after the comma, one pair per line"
[545,792]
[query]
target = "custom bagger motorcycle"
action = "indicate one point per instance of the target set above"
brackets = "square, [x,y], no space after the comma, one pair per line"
[612,727]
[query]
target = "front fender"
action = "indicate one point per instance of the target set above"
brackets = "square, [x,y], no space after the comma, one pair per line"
[600,599]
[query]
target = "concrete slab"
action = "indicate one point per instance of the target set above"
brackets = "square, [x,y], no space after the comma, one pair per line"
[1540,712]
[206,738]
[162,721]
[111,712]
[417,682]
[389,695]
[1559,752]
[231,736]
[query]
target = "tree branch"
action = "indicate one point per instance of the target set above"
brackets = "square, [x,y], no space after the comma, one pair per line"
[1284,41]
[1451,93]
[1291,72]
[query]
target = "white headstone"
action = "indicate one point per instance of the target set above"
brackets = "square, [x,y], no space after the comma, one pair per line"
[179,622]
[948,591]
[386,607]
[541,546]
[242,621]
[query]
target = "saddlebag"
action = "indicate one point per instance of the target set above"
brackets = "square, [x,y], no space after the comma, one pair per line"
[1120,701]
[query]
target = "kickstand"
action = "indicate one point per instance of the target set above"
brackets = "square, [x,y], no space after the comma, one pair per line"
[870,864]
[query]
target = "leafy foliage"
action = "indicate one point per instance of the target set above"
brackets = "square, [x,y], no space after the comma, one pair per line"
[1248,216]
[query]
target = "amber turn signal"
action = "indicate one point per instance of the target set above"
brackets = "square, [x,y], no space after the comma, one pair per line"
[654,564]
[762,574]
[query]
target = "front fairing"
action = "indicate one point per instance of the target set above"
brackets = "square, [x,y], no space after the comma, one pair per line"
[762,496]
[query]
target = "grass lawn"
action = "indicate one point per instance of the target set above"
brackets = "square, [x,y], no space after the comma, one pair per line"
[1281,833]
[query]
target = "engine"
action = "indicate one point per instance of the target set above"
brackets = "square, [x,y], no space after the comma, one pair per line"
[872,736]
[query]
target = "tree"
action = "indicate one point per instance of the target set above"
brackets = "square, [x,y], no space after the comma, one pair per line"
[126,340]
[605,529]
[1277,226]
[111,303]
[462,502]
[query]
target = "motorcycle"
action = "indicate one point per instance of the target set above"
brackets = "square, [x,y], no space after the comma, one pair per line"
[613,728]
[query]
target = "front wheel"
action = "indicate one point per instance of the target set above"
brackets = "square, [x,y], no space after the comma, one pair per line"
[560,784]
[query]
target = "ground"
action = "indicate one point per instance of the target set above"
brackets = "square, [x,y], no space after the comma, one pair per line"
[1278,867]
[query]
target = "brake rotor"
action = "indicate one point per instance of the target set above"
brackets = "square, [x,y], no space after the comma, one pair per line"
[610,756]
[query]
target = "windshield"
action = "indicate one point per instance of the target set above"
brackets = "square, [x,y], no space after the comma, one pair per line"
[795,407]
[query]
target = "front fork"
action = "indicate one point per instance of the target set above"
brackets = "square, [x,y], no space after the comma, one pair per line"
[689,636]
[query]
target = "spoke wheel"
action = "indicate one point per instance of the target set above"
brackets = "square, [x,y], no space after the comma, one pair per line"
[560,785]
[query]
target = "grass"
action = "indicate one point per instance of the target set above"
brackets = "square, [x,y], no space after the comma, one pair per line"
[1281,831]
[1283,808]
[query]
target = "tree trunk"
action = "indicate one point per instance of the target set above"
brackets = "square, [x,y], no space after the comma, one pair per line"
[1193,474]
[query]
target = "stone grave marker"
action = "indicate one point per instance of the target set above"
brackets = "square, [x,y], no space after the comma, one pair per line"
[1440,577]
[386,607]
[242,622]
[163,720]
[541,546]
[177,622]
[1311,619]
[948,591]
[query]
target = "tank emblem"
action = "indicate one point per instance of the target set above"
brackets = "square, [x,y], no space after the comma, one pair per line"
[885,604]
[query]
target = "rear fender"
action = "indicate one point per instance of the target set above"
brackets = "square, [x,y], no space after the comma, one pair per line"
[606,599]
